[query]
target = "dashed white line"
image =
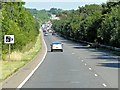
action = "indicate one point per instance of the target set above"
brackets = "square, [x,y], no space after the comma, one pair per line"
[104,85]
[82,60]
[73,53]
[90,68]
[85,64]
[96,75]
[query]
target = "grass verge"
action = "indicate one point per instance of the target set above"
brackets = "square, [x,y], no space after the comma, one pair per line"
[18,60]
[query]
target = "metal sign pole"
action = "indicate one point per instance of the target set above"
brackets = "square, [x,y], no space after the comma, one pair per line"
[9,52]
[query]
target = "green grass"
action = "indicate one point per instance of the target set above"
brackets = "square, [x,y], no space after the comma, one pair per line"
[18,60]
[9,67]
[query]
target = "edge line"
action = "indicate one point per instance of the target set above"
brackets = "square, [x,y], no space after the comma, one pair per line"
[26,79]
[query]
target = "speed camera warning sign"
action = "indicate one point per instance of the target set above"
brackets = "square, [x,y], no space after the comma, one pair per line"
[9,39]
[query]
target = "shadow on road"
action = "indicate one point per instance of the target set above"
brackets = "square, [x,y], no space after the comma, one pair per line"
[49,51]
[67,42]
[112,65]
[98,54]
[102,57]
[80,47]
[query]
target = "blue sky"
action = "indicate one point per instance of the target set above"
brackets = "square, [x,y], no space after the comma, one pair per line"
[62,4]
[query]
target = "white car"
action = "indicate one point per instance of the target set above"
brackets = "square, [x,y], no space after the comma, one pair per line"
[56,46]
[45,34]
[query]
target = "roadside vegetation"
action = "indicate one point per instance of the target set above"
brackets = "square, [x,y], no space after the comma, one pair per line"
[41,15]
[91,23]
[18,21]
[19,59]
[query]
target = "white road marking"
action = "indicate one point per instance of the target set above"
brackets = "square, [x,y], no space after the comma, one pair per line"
[85,64]
[90,68]
[82,60]
[27,78]
[75,82]
[73,53]
[104,85]
[96,75]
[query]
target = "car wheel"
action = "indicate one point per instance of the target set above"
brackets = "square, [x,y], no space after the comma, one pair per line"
[61,50]
[51,50]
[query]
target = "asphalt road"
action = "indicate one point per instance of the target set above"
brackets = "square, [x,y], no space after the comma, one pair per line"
[77,67]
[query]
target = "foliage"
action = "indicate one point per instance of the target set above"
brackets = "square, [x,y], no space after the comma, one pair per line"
[40,15]
[92,23]
[18,21]
[19,59]
[55,11]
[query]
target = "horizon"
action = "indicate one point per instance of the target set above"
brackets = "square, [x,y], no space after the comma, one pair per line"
[60,5]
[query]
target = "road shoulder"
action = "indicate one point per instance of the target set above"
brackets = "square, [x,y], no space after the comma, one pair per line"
[17,78]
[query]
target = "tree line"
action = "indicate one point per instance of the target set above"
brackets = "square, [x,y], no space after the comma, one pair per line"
[18,21]
[41,15]
[91,23]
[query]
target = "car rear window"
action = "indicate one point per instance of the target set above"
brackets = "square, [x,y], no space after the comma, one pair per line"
[56,43]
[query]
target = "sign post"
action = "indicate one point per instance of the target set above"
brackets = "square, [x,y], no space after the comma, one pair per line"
[9,39]
[9,52]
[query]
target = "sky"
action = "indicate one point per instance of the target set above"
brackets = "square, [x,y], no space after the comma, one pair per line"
[62,4]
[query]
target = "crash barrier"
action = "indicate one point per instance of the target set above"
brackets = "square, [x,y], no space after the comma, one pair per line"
[94,45]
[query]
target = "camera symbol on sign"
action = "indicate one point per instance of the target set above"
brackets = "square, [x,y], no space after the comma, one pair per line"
[9,39]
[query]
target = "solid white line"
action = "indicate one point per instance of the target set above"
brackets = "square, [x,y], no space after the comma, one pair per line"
[104,85]
[34,69]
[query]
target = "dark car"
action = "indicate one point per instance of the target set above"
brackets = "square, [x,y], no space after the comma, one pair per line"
[53,33]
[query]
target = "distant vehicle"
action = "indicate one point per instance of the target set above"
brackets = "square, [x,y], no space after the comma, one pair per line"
[44,30]
[53,33]
[50,31]
[56,46]
[45,34]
